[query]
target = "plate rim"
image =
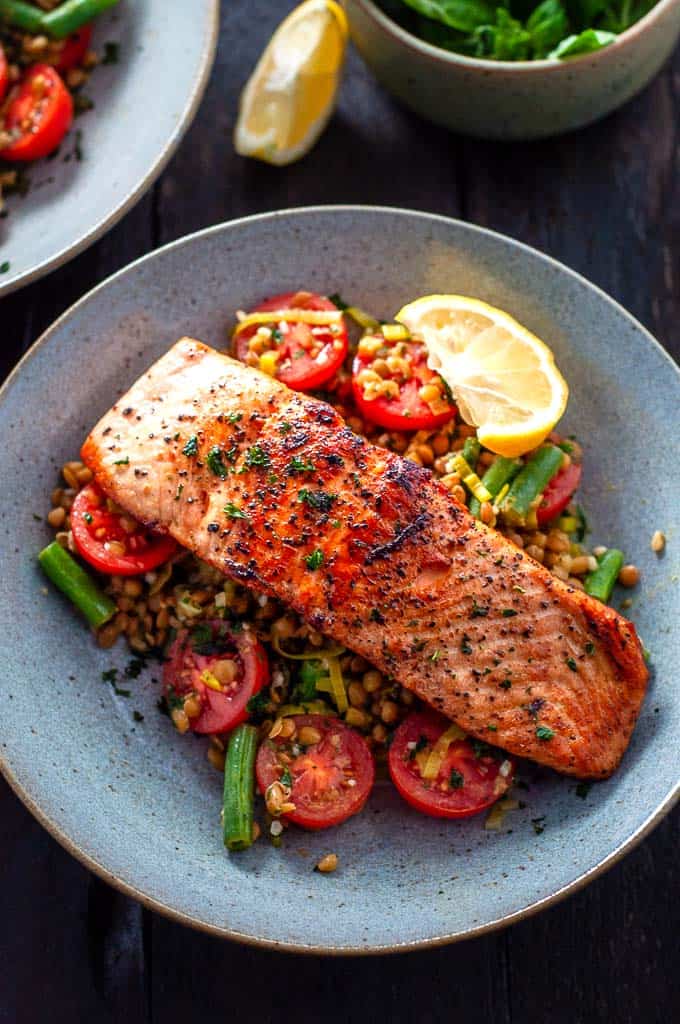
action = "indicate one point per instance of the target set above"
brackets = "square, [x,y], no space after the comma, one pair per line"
[262,942]
[98,230]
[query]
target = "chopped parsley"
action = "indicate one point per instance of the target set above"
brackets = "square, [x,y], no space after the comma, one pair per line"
[122,462]
[478,611]
[138,716]
[315,560]
[298,465]
[179,492]
[4,266]
[544,732]
[590,647]
[465,645]
[134,668]
[482,749]
[505,684]
[285,427]
[191,447]
[256,457]
[87,516]
[419,745]
[286,779]
[110,675]
[215,462]
[435,656]
[538,825]
[234,417]
[375,615]
[111,53]
[234,512]
[257,706]
[582,789]
[319,500]
[456,779]
[492,728]
[508,613]
[572,665]
[338,301]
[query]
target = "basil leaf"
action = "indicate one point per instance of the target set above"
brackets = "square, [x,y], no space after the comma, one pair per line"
[589,41]
[464,15]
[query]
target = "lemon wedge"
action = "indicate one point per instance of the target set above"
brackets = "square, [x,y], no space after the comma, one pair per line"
[291,94]
[504,378]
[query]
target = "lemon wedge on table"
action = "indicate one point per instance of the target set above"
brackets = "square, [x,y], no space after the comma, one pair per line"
[504,379]
[291,94]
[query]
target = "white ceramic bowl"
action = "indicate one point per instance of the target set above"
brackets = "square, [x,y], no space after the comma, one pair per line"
[512,99]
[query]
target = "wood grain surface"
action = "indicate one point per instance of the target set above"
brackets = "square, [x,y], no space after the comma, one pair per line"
[606,201]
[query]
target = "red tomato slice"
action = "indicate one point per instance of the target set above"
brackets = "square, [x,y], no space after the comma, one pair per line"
[235,660]
[308,356]
[406,410]
[329,780]
[558,493]
[4,73]
[39,114]
[467,781]
[99,533]
[74,49]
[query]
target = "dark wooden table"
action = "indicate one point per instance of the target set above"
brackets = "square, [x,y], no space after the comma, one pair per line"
[606,201]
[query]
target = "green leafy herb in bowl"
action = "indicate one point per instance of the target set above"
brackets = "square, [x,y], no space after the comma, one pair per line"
[514,69]
[518,29]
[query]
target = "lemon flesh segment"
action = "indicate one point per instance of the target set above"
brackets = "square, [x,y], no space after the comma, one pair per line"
[504,378]
[291,94]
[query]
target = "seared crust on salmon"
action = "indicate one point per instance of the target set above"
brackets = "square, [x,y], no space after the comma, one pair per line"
[272,488]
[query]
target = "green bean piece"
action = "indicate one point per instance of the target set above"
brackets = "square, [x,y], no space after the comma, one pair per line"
[76,584]
[499,473]
[21,15]
[72,15]
[239,787]
[531,481]
[600,582]
[471,450]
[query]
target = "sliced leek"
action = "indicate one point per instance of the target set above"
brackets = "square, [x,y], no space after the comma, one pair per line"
[395,332]
[435,759]
[470,479]
[365,320]
[315,317]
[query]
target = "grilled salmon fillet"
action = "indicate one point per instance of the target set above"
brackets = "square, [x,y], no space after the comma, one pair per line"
[273,489]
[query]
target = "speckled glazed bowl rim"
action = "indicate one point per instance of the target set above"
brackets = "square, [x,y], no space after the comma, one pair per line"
[68,252]
[519,67]
[197,922]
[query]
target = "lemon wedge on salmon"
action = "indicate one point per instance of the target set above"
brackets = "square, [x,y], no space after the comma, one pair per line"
[503,378]
[291,94]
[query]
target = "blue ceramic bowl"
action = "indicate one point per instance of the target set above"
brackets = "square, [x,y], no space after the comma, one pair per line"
[139,804]
[143,104]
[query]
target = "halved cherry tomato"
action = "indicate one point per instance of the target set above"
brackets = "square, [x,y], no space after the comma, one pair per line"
[405,410]
[558,493]
[470,777]
[4,73]
[38,116]
[329,780]
[74,49]
[222,668]
[113,542]
[308,356]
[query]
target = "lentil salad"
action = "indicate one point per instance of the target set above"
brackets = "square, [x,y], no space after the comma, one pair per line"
[46,58]
[210,630]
